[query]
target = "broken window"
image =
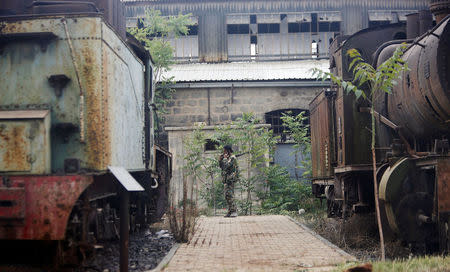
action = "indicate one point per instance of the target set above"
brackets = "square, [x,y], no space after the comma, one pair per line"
[268,28]
[299,27]
[238,29]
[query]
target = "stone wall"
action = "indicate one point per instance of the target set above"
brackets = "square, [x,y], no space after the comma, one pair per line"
[225,104]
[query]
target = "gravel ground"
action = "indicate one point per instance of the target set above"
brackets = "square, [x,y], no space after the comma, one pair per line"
[146,250]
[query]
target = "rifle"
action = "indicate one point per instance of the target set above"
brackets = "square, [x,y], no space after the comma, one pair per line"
[242,154]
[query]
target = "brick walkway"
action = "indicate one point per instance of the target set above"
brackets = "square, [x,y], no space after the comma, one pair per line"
[255,243]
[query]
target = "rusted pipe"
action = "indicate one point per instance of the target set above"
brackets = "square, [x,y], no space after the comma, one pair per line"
[209,106]
[412,25]
[425,21]
[124,229]
[81,107]
[390,124]
[423,219]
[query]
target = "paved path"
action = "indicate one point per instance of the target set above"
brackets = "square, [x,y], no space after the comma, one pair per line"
[255,243]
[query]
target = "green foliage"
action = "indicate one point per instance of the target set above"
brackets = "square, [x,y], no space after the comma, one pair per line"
[418,264]
[155,37]
[214,195]
[283,192]
[366,77]
[256,142]
[298,130]
[382,78]
[249,138]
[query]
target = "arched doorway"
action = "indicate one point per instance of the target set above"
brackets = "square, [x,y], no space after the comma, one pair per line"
[286,154]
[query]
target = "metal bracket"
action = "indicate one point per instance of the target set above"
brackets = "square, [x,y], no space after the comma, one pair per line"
[42,38]
[58,82]
[124,177]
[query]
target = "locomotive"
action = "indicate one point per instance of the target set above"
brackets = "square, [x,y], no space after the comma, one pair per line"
[412,132]
[76,129]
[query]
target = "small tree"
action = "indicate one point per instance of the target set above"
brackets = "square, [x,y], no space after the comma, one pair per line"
[200,167]
[256,142]
[299,131]
[155,35]
[382,78]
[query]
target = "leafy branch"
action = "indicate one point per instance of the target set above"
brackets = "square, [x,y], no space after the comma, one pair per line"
[374,80]
[155,35]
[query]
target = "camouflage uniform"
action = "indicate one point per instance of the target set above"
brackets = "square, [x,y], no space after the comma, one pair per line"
[230,175]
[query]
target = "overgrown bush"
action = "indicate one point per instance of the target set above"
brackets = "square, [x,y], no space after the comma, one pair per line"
[286,194]
[214,196]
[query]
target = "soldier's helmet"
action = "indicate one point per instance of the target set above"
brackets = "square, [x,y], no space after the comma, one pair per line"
[228,148]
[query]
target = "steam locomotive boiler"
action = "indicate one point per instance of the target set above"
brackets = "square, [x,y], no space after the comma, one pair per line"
[76,128]
[413,128]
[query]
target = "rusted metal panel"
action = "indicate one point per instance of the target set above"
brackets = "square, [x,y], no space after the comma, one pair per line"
[443,184]
[440,9]
[14,147]
[12,203]
[340,135]
[212,38]
[105,87]
[352,136]
[48,203]
[421,103]
[25,142]
[236,6]
[123,87]
[322,136]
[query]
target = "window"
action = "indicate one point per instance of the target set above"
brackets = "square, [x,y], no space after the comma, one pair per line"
[211,145]
[293,27]
[335,26]
[193,30]
[273,118]
[299,27]
[268,28]
[314,22]
[238,29]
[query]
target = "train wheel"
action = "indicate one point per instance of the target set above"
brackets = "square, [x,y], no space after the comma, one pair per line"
[412,216]
[408,209]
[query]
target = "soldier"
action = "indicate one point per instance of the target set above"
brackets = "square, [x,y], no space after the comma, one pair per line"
[230,175]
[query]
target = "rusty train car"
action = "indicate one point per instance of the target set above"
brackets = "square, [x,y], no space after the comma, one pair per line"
[413,129]
[76,127]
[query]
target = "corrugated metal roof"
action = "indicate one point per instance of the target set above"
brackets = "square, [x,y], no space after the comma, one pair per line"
[246,71]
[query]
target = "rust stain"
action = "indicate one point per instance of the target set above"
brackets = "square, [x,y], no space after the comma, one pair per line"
[105,122]
[93,104]
[443,180]
[15,155]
